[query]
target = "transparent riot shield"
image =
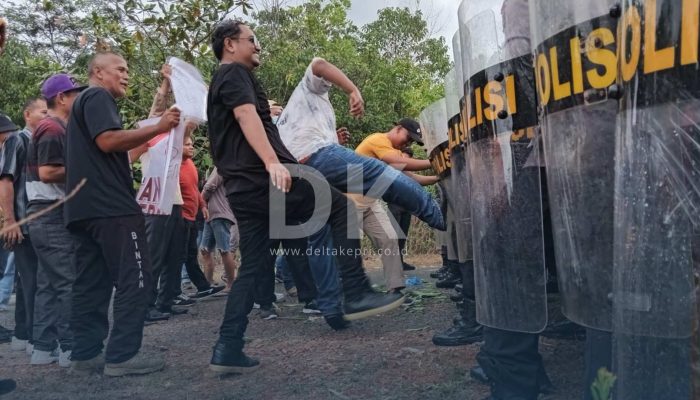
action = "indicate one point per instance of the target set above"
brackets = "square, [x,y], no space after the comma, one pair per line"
[457,183]
[575,68]
[433,120]
[657,204]
[506,206]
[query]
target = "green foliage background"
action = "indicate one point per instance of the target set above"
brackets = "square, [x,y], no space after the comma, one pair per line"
[398,68]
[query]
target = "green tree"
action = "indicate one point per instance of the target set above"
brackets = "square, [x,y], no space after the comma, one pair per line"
[395,80]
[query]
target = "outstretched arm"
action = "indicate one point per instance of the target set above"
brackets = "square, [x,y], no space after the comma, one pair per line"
[334,75]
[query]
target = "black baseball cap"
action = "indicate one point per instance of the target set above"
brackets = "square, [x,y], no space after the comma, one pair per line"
[6,124]
[413,128]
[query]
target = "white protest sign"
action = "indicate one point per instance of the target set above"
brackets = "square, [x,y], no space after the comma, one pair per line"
[161,176]
[189,89]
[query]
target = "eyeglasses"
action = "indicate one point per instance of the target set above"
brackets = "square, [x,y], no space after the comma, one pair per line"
[252,39]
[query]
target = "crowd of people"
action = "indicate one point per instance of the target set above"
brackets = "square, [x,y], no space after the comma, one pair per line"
[527,217]
[88,243]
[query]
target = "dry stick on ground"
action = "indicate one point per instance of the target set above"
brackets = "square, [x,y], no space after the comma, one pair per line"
[47,209]
[3,34]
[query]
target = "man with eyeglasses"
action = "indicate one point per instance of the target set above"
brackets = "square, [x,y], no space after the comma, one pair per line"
[251,157]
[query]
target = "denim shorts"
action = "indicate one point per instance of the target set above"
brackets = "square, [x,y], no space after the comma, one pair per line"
[217,235]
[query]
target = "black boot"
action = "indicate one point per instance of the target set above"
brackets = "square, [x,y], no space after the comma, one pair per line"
[228,359]
[337,322]
[444,268]
[464,331]
[451,278]
[7,385]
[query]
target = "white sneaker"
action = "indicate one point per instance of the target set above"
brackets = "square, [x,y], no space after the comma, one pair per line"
[64,358]
[29,349]
[41,357]
[18,344]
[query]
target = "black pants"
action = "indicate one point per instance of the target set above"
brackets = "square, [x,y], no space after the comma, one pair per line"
[404,219]
[26,264]
[110,253]
[597,355]
[194,270]
[298,264]
[258,249]
[54,248]
[513,363]
[166,243]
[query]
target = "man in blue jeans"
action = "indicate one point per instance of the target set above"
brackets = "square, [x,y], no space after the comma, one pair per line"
[307,127]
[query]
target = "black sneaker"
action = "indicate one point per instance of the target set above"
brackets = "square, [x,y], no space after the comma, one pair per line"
[337,322]
[154,315]
[173,310]
[372,303]
[226,360]
[183,301]
[268,312]
[311,308]
[7,385]
[203,294]
[408,267]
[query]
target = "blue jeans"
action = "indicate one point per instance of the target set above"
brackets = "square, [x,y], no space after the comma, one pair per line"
[332,162]
[325,272]
[216,236]
[8,279]
[283,271]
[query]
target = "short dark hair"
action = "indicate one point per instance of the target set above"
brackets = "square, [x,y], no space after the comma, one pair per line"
[29,104]
[226,29]
[51,103]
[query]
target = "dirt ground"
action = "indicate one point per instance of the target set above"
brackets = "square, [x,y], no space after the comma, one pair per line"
[387,357]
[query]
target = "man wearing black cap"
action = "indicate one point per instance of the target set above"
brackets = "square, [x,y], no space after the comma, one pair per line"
[390,147]
[52,243]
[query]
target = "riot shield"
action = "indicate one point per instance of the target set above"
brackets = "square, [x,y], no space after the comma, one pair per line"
[575,68]
[506,205]
[657,204]
[457,183]
[433,124]
[459,71]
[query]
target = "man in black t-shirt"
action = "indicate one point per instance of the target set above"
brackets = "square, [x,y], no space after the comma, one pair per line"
[251,157]
[108,226]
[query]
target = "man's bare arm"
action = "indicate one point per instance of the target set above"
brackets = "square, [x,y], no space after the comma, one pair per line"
[52,173]
[125,140]
[423,180]
[410,164]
